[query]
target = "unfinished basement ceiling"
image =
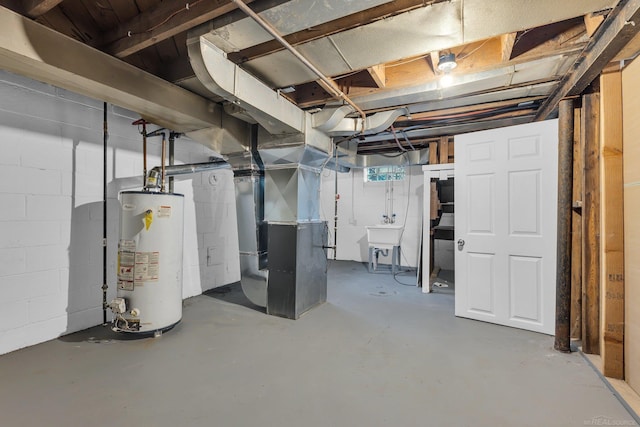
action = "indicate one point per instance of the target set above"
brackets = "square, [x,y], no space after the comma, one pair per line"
[512,55]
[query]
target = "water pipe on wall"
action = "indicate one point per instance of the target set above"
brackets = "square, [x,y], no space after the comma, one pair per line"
[143,122]
[105,140]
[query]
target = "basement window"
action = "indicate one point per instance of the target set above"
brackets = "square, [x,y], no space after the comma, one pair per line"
[384,173]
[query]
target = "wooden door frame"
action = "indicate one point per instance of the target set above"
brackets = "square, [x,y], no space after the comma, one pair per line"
[441,172]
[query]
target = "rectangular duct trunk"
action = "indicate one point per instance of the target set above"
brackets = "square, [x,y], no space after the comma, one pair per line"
[297,267]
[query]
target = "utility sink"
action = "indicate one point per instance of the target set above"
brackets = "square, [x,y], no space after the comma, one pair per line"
[384,235]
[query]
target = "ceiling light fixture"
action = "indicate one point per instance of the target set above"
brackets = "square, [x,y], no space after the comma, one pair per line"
[288,89]
[447,62]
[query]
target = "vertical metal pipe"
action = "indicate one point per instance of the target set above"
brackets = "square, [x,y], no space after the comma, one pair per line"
[565,189]
[172,141]
[144,152]
[163,161]
[335,208]
[105,139]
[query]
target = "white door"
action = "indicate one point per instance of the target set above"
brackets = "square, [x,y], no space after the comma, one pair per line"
[505,225]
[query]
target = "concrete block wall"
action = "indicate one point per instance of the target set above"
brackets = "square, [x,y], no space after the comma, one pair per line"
[363,203]
[51,212]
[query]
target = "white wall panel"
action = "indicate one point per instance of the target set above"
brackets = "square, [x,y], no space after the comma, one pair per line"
[51,210]
[363,203]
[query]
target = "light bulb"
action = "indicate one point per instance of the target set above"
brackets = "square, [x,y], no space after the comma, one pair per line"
[446,80]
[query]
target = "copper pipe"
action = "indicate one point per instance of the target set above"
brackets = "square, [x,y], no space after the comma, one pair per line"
[327,83]
[143,122]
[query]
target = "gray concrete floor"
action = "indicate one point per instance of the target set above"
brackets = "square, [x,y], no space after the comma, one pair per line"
[376,354]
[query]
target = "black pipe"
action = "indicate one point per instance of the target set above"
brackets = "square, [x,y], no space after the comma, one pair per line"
[565,188]
[336,196]
[105,140]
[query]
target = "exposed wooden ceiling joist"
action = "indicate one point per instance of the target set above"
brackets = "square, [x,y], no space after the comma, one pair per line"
[35,8]
[318,31]
[168,19]
[33,50]
[507,40]
[475,57]
[622,24]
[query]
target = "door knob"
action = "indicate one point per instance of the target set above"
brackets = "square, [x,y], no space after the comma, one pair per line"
[460,244]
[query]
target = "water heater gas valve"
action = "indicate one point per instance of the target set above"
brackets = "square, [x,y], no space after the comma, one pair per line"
[118,306]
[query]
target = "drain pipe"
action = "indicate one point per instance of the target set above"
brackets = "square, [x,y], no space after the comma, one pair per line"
[105,139]
[327,83]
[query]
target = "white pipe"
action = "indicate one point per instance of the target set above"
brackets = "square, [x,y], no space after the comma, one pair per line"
[328,84]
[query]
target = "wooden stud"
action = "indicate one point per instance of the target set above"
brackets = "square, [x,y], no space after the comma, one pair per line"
[443,146]
[612,240]
[591,225]
[576,230]
[433,153]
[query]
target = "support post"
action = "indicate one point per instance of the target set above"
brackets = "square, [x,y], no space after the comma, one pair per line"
[565,189]
[576,227]
[612,251]
[591,224]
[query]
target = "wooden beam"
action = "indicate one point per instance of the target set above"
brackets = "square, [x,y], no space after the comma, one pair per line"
[507,41]
[35,8]
[443,145]
[433,153]
[612,225]
[435,60]
[35,51]
[576,229]
[169,18]
[591,225]
[592,22]
[622,24]
[419,71]
[332,27]
[378,75]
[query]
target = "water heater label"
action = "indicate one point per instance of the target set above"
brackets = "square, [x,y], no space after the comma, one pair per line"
[127,246]
[126,285]
[147,267]
[164,212]
[126,264]
[128,207]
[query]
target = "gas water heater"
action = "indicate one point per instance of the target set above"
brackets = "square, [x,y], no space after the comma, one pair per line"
[149,298]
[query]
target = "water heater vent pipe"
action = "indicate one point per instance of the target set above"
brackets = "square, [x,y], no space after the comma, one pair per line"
[153,181]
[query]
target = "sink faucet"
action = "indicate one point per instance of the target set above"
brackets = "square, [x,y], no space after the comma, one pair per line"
[386,219]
